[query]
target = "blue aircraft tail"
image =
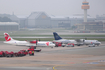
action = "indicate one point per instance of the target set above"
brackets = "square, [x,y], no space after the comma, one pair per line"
[56,36]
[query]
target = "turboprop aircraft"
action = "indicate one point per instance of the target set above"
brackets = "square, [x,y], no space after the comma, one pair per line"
[77,42]
[10,40]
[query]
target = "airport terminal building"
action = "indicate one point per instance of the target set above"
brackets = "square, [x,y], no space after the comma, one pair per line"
[42,20]
[38,20]
[97,25]
[60,22]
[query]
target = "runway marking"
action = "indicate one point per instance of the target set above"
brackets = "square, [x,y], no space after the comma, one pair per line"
[97,62]
[54,68]
[101,61]
[57,66]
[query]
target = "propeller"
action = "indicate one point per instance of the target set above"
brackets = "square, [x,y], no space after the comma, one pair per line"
[39,39]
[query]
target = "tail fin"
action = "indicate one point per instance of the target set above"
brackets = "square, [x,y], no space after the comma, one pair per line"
[7,37]
[56,36]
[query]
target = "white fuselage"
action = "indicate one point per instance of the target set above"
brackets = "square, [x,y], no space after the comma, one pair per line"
[45,43]
[92,41]
[16,42]
[66,41]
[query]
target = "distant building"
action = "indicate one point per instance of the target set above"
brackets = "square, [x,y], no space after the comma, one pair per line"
[60,21]
[78,19]
[38,20]
[9,26]
[100,18]
[13,17]
[42,20]
[23,21]
[95,26]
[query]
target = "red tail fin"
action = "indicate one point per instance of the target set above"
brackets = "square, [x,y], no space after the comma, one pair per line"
[7,37]
[47,43]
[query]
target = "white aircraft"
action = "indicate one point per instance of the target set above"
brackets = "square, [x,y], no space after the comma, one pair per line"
[77,42]
[96,42]
[10,40]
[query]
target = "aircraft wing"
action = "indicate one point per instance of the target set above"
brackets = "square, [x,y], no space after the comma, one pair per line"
[79,40]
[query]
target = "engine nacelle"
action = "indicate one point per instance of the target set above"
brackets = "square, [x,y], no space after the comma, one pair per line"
[82,40]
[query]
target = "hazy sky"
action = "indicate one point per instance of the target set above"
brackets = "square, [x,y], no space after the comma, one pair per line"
[51,7]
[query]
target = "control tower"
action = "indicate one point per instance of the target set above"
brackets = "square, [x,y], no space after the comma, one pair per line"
[85,6]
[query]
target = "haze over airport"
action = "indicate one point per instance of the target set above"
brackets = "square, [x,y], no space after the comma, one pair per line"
[51,7]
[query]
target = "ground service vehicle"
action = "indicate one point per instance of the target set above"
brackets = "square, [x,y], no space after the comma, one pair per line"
[6,54]
[70,45]
[57,44]
[2,54]
[33,48]
[21,53]
[9,54]
[91,45]
[31,53]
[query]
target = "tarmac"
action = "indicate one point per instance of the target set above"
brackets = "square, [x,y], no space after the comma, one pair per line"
[56,58]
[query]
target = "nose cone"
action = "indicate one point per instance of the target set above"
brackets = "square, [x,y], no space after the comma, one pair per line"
[53,44]
[99,42]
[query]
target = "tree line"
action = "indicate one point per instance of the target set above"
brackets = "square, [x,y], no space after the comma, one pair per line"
[5,19]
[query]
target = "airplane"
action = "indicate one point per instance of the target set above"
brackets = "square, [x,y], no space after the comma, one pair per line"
[10,40]
[77,42]
[96,42]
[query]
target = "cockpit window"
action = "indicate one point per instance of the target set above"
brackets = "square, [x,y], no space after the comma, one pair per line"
[51,43]
[97,41]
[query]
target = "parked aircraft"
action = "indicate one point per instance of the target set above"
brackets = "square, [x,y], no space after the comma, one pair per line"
[77,42]
[10,40]
[96,42]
